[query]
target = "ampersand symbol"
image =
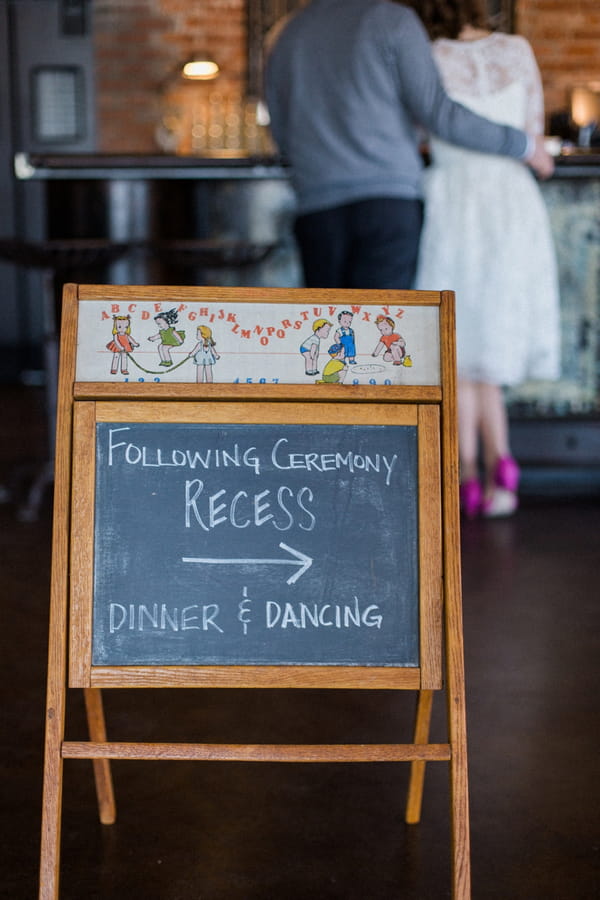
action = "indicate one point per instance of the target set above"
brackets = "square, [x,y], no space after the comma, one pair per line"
[244,610]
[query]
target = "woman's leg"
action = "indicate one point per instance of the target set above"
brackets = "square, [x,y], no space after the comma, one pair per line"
[501,470]
[468,429]
[494,429]
[468,449]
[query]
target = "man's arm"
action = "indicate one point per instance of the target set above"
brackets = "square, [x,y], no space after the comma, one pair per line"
[424,95]
[540,160]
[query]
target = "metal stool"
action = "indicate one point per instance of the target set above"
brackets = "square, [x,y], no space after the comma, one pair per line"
[211,253]
[53,258]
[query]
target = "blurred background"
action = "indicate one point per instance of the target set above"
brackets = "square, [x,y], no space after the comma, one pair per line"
[114,167]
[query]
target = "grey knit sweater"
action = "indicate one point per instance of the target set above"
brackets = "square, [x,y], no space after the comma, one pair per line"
[347,83]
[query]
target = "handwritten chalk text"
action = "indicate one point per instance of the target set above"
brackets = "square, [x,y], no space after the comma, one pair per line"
[322,615]
[160,617]
[282,458]
[243,509]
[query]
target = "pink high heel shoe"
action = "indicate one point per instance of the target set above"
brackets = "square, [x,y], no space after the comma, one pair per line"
[503,500]
[471,498]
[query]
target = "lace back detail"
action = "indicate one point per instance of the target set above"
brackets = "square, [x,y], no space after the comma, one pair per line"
[489,66]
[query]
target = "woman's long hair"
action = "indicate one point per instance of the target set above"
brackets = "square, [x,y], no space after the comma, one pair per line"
[446,18]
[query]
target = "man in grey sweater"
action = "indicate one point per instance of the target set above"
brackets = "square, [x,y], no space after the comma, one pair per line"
[347,84]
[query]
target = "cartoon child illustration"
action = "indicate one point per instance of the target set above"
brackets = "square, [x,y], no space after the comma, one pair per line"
[121,344]
[345,335]
[310,347]
[167,335]
[204,354]
[392,344]
[335,369]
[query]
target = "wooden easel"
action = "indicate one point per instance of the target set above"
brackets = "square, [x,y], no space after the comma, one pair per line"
[431,406]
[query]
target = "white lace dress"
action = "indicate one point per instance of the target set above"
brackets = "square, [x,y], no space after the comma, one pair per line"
[486,234]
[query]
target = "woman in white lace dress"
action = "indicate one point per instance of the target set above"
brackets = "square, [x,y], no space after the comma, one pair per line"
[487,237]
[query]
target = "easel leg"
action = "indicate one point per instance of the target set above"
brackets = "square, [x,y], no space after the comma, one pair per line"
[102,773]
[51,812]
[461,865]
[417,768]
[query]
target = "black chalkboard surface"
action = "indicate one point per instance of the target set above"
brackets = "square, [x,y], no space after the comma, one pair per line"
[255,544]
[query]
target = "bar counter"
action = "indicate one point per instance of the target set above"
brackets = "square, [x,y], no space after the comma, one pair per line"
[228,221]
[572,163]
[68,167]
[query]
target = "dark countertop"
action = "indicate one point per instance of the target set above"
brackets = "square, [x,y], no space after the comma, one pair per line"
[572,163]
[578,162]
[145,166]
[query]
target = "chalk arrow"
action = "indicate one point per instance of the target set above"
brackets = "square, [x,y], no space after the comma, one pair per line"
[301,560]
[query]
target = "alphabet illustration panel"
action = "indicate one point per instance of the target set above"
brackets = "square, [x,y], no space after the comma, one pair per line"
[258,343]
[256,544]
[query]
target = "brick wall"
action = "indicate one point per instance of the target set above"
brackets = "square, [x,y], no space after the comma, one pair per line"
[565,35]
[140,42]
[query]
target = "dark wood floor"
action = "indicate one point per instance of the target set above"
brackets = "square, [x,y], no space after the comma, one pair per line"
[217,831]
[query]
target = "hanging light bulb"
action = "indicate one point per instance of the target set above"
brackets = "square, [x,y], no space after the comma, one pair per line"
[200,68]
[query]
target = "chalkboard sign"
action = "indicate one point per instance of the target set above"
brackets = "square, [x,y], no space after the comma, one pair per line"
[255,544]
[255,530]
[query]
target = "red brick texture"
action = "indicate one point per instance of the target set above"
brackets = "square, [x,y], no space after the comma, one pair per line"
[565,35]
[139,43]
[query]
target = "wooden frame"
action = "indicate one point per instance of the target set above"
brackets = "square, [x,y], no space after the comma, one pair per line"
[83,674]
[431,407]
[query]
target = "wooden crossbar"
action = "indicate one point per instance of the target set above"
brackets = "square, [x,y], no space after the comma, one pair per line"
[259,752]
